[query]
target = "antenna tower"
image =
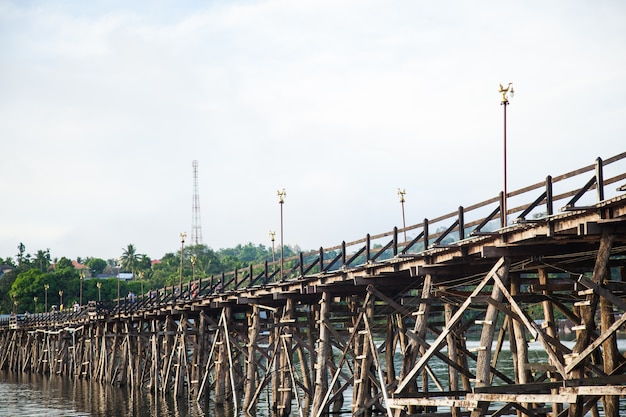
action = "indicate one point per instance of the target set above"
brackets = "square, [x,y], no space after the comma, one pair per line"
[196,226]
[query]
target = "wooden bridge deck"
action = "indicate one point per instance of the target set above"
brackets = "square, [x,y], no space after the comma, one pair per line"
[375,314]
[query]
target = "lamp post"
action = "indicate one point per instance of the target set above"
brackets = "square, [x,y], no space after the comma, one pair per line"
[281,200]
[273,238]
[99,285]
[183,235]
[46,287]
[15,303]
[119,277]
[505,103]
[80,297]
[401,194]
[193,268]
[141,280]
[60,299]
[35,298]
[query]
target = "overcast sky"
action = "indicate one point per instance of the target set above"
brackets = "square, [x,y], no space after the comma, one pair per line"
[105,104]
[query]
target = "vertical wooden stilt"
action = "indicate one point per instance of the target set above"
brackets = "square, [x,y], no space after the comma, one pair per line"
[323,345]
[587,313]
[254,326]
[483,368]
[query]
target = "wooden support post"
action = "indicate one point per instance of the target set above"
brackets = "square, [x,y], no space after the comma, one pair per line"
[483,362]
[322,351]
[390,350]
[286,389]
[413,348]
[587,318]
[254,326]
[521,345]
[362,385]
[453,373]
[221,362]
[550,324]
[275,345]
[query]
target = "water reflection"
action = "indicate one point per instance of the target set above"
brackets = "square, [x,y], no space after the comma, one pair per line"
[53,396]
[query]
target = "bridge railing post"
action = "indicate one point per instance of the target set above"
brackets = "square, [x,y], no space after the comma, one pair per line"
[368,254]
[502,210]
[395,241]
[600,179]
[549,199]
[461,223]
[321,259]
[426,234]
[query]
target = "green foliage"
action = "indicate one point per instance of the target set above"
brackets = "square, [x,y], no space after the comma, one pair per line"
[63,263]
[96,265]
[33,274]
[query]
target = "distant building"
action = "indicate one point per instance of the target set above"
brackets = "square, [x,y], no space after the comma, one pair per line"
[82,268]
[125,276]
[4,269]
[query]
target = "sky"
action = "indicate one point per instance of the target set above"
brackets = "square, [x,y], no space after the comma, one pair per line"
[105,104]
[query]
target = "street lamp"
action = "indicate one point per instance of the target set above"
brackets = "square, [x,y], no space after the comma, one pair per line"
[183,235]
[45,288]
[141,280]
[505,103]
[80,298]
[273,238]
[193,268]
[15,303]
[99,285]
[401,194]
[60,299]
[119,277]
[35,298]
[281,200]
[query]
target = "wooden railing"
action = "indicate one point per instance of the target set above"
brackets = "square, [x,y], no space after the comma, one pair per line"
[534,203]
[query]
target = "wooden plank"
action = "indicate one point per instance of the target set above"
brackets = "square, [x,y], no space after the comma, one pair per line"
[523,398]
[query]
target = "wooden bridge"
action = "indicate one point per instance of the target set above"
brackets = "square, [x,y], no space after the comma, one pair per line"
[361,325]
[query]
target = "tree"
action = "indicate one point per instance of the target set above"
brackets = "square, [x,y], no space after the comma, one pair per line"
[96,265]
[63,263]
[42,260]
[130,259]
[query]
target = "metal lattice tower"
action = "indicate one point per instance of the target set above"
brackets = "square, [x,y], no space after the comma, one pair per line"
[196,225]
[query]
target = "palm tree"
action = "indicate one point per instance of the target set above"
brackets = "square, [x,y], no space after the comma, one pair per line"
[130,259]
[43,259]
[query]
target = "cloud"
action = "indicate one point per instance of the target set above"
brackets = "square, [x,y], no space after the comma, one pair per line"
[105,105]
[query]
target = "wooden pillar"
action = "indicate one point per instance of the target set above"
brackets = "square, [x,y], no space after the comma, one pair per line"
[453,374]
[551,330]
[412,347]
[254,326]
[275,347]
[221,364]
[587,314]
[321,353]
[363,384]
[521,346]
[483,362]
[286,388]
[390,350]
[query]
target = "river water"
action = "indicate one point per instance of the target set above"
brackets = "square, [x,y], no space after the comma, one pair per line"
[26,395]
[30,395]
